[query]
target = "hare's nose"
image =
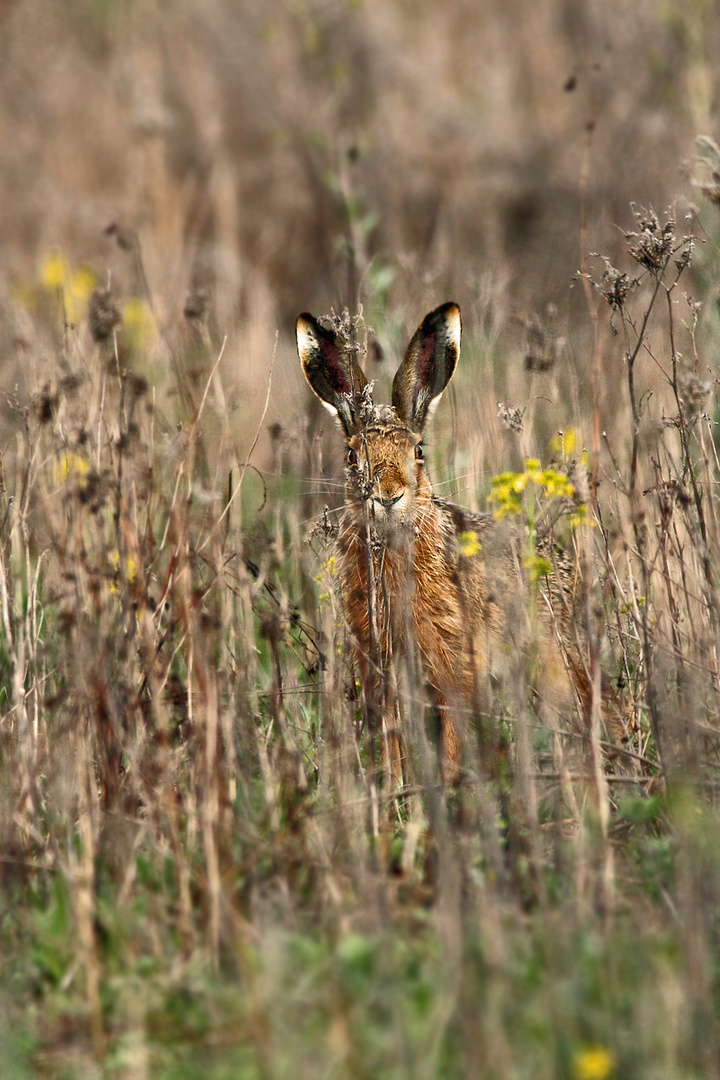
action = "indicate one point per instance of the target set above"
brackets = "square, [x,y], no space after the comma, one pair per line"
[387,501]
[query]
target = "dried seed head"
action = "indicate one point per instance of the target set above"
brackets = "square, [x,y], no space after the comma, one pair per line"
[511,416]
[377,354]
[615,286]
[135,386]
[370,413]
[543,342]
[325,530]
[670,493]
[710,162]
[693,391]
[652,244]
[126,239]
[197,305]
[44,402]
[103,314]
[69,385]
[711,190]
[578,476]
[347,327]
[541,349]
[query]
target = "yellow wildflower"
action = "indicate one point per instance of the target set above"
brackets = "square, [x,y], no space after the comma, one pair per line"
[54,271]
[469,544]
[593,1063]
[70,467]
[563,444]
[538,566]
[555,484]
[79,287]
[130,566]
[75,285]
[138,324]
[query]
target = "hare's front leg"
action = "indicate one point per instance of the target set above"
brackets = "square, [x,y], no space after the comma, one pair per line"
[449,748]
[382,712]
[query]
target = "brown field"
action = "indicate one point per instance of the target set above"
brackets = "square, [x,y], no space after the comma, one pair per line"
[203,870]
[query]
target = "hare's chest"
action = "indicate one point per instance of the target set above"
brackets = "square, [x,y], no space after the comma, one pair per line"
[402,599]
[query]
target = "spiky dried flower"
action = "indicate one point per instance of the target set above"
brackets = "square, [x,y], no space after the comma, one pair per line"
[136,386]
[125,238]
[69,385]
[347,327]
[615,285]
[693,391]
[325,529]
[653,243]
[543,342]
[577,474]
[44,402]
[710,161]
[197,305]
[377,354]
[669,494]
[103,314]
[370,413]
[511,416]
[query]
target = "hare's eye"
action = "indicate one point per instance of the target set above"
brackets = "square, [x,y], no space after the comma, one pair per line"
[351,457]
[419,452]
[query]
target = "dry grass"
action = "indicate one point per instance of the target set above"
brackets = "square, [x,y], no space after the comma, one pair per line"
[199,872]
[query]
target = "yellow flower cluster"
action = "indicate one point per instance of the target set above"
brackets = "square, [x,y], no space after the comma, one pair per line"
[469,544]
[509,488]
[538,566]
[562,445]
[70,467]
[74,286]
[57,276]
[138,324]
[115,561]
[593,1063]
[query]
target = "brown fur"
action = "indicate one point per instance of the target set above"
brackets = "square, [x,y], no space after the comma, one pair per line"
[408,588]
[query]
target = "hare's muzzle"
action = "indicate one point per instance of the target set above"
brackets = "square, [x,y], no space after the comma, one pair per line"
[390,508]
[385,503]
[388,494]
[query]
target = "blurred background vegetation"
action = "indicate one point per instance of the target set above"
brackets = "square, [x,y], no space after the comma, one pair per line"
[282,156]
[294,155]
[194,879]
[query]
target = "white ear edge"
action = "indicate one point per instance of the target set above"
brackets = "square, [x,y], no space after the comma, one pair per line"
[454,326]
[432,408]
[306,337]
[330,408]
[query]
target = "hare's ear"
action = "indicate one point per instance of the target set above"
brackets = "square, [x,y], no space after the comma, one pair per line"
[334,375]
[428,366]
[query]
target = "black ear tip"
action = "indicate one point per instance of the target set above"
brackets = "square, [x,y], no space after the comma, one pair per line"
[446,315]
[450,310]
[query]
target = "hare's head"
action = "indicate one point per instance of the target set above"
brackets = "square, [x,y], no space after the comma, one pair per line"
[385,469]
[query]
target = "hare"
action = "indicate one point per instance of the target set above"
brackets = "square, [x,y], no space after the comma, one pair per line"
[420,576]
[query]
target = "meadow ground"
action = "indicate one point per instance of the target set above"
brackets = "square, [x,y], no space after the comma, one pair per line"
[201,871]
